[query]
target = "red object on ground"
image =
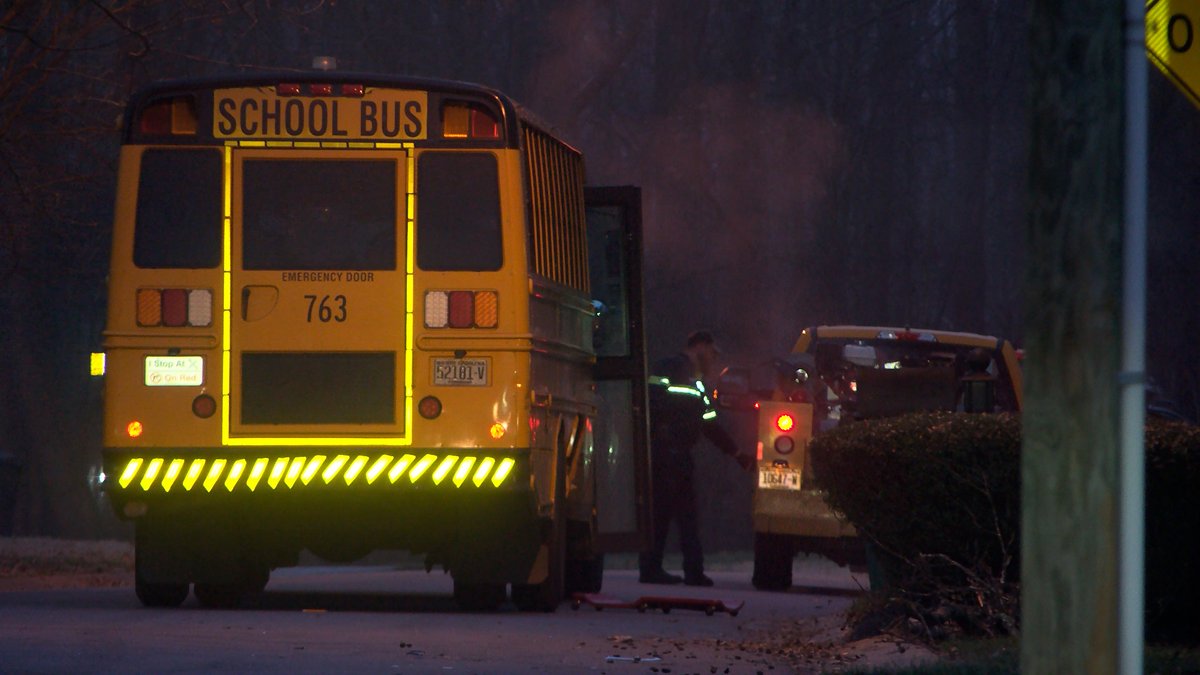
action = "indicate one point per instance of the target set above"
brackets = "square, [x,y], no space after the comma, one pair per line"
[709,606]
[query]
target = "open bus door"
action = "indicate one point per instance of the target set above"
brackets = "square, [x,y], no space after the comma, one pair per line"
[622,471]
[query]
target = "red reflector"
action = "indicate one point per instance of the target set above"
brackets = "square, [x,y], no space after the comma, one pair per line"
[353,90]
[785,422]
[287,89]
[174,307]
[462,309]
[429,407]
[320,89]
[156,118]
[483,125]
[204,406]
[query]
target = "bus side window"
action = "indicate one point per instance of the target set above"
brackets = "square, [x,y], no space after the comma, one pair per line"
[458,212]
[179,209]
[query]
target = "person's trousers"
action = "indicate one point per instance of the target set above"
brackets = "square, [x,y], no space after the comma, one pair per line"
[674,499]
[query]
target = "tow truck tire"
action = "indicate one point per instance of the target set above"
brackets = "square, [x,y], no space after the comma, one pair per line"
[478,596]
[160,595]
[772,562]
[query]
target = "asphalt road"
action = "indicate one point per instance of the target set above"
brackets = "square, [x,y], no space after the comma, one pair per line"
[379,620]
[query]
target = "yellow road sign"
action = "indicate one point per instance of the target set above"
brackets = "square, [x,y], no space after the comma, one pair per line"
[1173,42]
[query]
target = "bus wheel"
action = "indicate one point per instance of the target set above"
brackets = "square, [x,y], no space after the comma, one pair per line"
[154,594]
[160,595]
[772,562]
[546,596]
[219,596]
[585,575]
[255,578]
[478,596]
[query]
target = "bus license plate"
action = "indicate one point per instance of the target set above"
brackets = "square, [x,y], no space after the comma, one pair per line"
[460,372]
[779,479]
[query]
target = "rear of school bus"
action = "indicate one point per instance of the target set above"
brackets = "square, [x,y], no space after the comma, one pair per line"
[321,335]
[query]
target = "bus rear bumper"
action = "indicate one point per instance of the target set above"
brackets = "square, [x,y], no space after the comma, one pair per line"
[479,522]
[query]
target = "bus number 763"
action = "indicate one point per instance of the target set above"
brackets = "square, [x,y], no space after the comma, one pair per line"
[329,309]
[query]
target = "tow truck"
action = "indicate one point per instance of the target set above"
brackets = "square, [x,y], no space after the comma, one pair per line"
[837,375]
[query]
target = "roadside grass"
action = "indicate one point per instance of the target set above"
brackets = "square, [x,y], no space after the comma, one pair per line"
[34,556]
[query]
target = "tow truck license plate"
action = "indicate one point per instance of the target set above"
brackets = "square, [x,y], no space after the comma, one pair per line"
[460,372]
[779,479]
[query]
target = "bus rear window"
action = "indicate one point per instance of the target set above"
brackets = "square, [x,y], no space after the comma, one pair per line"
[458,212]
[319,214]
[178,209]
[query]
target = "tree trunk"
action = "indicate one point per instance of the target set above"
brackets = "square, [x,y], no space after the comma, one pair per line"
[1069,462]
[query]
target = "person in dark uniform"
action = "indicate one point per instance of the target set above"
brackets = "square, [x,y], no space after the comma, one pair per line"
[680,410]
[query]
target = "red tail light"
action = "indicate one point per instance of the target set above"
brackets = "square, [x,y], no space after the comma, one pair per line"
[174,116]
[785,422]
[174,307]
[483,125]
[462,309]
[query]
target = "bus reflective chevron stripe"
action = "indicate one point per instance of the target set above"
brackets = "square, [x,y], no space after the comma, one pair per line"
[225,475]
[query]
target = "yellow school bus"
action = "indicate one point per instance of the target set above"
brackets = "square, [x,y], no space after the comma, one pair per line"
[352,312]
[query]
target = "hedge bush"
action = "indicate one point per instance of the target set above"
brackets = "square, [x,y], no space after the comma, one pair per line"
[929,483]
[939,496]
[1173,531]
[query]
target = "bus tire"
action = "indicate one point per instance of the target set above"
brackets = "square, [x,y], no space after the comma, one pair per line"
[478,596]
[585,575]
[219,596]
[160,595]
[546,596]
[255,577]
[772,562]
[169,593]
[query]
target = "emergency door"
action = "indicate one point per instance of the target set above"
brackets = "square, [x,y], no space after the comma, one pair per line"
[316,281]
[622,458]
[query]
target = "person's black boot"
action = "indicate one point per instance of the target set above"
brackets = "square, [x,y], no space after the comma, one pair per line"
[699,579]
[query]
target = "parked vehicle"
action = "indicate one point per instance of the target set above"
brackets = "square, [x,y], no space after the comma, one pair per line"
[836,375]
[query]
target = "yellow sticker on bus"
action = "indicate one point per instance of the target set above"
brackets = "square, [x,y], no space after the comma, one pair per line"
[376,115]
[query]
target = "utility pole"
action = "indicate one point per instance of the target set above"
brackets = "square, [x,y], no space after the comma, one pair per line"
[1069,473]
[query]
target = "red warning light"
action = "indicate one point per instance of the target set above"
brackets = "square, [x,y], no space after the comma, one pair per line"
[785,422]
